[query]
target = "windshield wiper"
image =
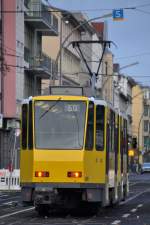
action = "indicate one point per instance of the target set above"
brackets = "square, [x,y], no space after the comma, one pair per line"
[52,106]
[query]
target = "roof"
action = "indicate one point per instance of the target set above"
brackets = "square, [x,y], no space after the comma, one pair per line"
[69,16]
[82,18]
[116,67]
[131,81]
[99,27]
[98,101]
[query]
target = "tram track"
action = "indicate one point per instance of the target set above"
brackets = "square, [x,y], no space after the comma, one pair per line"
[106,216]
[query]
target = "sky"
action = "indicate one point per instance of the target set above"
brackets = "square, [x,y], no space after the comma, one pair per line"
[132,35]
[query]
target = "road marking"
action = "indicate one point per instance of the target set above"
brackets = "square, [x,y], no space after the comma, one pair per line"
[133,210]
[90,222]
[10,198]
[14,213]
[116,222]
[126,215]
[7,203]
[133,197]
[3,196]
[139,206]
[132,184]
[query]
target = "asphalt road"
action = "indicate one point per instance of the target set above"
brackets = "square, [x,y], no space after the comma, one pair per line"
[135,210]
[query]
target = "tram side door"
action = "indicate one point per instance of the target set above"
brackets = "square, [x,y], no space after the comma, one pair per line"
[123,148]
[100,136]
[110,148]
[116,144]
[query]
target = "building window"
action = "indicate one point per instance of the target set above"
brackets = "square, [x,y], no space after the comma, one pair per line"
[146,141]
[145,110]
[146,124]
[146,94]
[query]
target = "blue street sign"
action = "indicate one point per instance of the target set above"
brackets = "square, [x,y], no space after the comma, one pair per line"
[118,14]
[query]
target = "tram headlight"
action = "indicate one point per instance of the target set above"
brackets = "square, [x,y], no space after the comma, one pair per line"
[74,174]
[41,174]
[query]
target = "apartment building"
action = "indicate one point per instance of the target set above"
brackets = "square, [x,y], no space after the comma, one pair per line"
[122,97]
[141,128]
[141,119]
[25,64]
[97,50]
[65,55]
[107,77]
[8,77]
[71,66]
[39,22]
[86,47]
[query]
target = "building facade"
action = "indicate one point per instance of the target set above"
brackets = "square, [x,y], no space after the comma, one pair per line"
[122,98]
[65,55]
[87,49]
[107,77]
[38,22]
[8,79]
[23,65]
[138,118]
[141,124]
[97,49]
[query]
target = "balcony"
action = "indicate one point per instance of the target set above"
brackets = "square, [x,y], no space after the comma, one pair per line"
[41,65]
[38,16]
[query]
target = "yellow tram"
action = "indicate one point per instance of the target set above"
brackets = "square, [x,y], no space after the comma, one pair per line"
[74,150]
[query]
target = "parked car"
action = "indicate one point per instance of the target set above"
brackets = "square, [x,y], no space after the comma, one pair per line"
[145,167]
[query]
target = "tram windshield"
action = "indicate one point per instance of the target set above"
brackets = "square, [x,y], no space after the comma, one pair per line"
[59,124]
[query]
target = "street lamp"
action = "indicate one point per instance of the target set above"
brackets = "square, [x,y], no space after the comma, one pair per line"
[129,65]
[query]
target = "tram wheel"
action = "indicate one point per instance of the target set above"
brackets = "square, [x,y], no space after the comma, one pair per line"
[86,209]
[43,210]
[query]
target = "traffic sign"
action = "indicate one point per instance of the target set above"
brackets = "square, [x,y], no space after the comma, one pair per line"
[118,14]
[131,152]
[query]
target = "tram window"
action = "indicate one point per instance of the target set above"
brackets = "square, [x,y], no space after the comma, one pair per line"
[30,127]
[107,148]
[90,128]
[100,127]
[112,130]
[116,142]
[2,179]
[125,138]
[121,147]
[116,139]
[24,126]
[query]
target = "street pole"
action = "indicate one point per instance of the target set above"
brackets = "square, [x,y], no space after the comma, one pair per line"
[107,78]
[12,161]
[60,69]
[62,43]
[139,138]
